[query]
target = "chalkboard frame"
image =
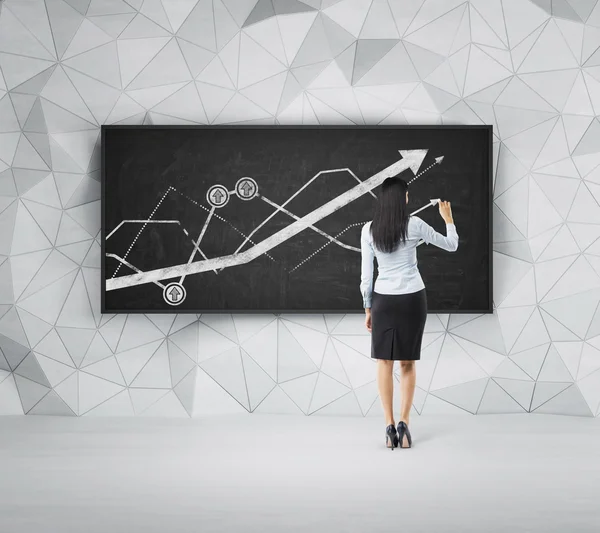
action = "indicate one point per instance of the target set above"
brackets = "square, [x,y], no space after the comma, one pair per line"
[277,312]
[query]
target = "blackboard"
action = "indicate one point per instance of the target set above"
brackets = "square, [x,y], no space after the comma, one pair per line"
[257,218]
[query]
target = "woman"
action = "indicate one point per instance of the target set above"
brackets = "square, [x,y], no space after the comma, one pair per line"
[396,307]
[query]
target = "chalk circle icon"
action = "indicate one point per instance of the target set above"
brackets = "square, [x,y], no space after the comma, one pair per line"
[246,188]
[174,293]
[217,195]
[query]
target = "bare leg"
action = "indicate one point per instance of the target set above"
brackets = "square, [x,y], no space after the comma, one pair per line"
[408,379]
[385,384]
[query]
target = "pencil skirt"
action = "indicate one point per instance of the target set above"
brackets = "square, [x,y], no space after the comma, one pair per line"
[397,325]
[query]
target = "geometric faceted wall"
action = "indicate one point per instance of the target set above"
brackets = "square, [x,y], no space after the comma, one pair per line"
[530,68]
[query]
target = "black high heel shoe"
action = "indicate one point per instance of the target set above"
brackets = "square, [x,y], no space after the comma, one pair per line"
[403,430]
[391,438]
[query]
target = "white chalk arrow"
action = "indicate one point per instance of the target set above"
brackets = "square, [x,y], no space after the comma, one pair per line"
[410,159]
[433,201]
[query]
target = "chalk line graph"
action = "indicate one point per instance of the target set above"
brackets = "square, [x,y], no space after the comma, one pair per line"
[246,189]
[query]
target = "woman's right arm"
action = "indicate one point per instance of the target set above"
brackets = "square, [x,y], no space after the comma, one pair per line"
[430,236]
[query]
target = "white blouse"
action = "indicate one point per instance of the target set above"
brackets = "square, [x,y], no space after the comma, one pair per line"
[397,271]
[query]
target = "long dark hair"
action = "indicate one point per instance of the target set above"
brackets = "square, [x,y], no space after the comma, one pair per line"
[390,222]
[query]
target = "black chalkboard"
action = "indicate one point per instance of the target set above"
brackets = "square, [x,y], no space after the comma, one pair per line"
[241,218]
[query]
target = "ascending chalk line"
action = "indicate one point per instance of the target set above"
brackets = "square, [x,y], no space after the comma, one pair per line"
[146,222]
[142,222]
[197,243]
[330,171]
[320,232]
[218,217]
[410,159]
[431,202]
[328,243]
[129,265]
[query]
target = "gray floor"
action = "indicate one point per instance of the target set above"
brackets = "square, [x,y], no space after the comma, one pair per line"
[268,473]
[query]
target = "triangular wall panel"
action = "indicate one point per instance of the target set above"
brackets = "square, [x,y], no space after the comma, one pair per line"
[529,68]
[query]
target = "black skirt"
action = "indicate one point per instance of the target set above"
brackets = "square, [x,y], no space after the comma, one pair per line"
[397,325]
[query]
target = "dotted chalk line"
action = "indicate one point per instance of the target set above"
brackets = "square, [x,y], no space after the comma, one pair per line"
[327,244]
[221,219]
[357,223]
[422,172]
[142,229]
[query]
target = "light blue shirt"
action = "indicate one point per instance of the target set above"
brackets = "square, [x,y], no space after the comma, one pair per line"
[397,271]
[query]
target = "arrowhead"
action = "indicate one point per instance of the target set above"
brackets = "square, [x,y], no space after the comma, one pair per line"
[434,201]
[438,160]
[414,158]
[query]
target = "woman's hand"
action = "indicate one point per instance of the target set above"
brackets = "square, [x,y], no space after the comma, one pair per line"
[368,319]
[446,212]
